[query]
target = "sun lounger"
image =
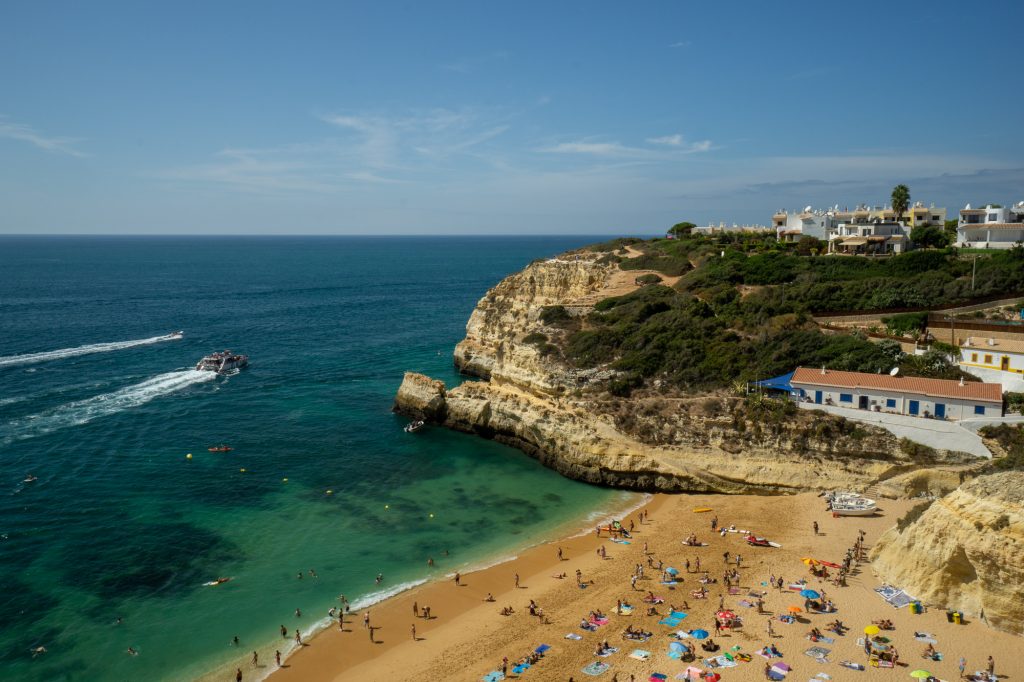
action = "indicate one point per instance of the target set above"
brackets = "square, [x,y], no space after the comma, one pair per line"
[596,668]
[640,654]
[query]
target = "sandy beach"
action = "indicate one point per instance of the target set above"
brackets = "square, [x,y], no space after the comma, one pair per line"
[467,637]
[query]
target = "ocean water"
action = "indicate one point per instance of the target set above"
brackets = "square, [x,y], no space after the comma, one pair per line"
[102,408]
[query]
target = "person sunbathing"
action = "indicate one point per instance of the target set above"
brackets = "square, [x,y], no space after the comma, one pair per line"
[929,652]
[884,624]
[709,645]
[814,635]
[586,625]
[652,611]
[507,611]
[774,651]
[560,576]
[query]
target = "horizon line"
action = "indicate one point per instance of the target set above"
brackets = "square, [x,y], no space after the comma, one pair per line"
[365,235]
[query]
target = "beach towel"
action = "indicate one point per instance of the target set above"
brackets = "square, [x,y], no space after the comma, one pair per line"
[724,661]
[596,668]
[743,657]
[745,604]
[657,677]
[621,542]
[670,583]
[671,622]
[626,610]
[640,654]
[776,676]
[734,590]
[573,635]
[818,652]
[781,667]
[925,637]
[851,665]
[690,673]
[520,669]
[599,621]
[755,595]
[678,614]
[823,676]
[609,651]
[827,640]
[541,649]
[495,676]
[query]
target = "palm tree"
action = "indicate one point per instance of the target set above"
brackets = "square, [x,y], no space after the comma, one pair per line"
[900,200]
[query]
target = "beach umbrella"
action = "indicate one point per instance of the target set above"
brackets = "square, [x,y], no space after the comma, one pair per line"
[871,630]
[725,615]
[808,561]
[699,634]
[809,594]
[794,609]
[675,646]
[672,571]
[921,674]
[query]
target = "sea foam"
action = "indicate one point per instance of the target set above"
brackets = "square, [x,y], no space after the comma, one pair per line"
[45,356]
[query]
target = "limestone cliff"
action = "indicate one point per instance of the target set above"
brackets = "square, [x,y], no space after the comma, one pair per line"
[965,552]
[532,399]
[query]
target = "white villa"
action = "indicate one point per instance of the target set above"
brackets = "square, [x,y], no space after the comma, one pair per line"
[870,238]
[817,223]
[914,396]
[1005,355]
[722,228]
[992,227]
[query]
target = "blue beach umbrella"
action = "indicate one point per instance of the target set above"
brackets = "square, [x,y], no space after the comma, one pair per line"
[699,634]
[809,594]
[672,571]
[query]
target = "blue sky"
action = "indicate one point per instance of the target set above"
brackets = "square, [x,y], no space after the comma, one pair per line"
[484,117]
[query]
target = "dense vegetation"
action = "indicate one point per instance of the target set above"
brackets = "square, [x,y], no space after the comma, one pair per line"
[1011,438]
[741,311]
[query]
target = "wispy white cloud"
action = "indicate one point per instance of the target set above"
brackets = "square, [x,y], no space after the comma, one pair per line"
[668,146]
[681,43]
[26,133]
[679,143]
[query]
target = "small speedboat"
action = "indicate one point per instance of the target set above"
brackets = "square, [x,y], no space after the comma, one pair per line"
[756,541]
[220,448]
[30,478]
[413,427]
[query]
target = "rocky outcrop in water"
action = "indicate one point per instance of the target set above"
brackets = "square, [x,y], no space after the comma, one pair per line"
[531,399]
[964,552]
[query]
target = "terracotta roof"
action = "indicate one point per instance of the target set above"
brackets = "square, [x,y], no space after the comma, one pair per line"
[936,388]
[991,226]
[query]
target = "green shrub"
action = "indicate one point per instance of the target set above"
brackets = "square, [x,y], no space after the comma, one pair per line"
[554,315]
[536,339]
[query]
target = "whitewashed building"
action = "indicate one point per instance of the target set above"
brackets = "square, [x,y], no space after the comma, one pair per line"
[811,222]
[868,238]
[914,396]
[991,227]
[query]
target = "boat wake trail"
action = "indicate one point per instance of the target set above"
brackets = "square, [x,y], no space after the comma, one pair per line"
[32,358]
[84,411]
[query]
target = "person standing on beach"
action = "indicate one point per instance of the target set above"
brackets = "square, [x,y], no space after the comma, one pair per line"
[238,675]
[414,632]
[714,524]
[366,619]
[277,657]
[371,632]
[458,577]
[698,564]
[560,554]
[298,637]
[415,609]
[815,527]
[991,666]
[284,632]
[517,581]
[962,666]
[255,659]
[770,629]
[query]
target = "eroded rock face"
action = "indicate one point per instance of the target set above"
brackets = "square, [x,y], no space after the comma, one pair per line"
[966,552]
[421,397]
[534,401]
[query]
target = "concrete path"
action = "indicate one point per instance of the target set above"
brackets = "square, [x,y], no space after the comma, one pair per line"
[941,435]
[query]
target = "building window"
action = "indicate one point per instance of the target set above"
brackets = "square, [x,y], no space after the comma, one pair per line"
[979,409]
[974,357]
[992,217]
[988,359]
[890,402]
[846,397]
[935,218]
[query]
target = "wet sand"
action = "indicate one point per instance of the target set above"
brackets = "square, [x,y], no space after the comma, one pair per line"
[467,637]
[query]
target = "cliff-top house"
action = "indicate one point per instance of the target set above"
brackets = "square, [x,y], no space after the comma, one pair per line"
[991,227]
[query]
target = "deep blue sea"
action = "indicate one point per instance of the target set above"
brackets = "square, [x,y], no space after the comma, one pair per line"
[121,524]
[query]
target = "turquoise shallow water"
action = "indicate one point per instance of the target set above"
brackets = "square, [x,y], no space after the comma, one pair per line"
[120,524]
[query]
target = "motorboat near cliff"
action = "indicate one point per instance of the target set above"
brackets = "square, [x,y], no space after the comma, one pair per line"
[851,505]
[413,427]
[222,362]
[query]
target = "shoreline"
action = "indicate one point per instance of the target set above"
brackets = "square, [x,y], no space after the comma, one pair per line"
[579,525]
[468,637]
[311,661]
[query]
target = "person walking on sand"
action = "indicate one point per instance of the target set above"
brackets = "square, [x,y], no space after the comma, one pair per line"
[771,630]
[991,667]
[725,556]
[458,578]
[255,659]
[414,632]
[415,609]
[962,666]
[277,657]
[372,628]
[517,581]
[560,554]
[366,619]
[238,675]
[815,526]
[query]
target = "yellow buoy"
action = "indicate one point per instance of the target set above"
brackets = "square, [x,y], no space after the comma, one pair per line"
[188,456]
[387,506]
[242,470]
[431,516]
[284,480]
[330,492]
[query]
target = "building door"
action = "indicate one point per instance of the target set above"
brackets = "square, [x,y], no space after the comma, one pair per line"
[817,397]
[862,402]
[1004,364]
[940,410]
[915,406]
